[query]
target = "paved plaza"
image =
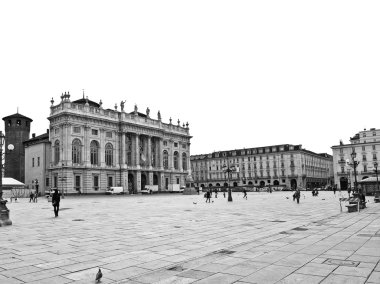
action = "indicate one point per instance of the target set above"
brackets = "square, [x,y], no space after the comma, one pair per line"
[174,238]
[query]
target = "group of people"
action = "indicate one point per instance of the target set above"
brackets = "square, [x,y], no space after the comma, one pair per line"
[208,194]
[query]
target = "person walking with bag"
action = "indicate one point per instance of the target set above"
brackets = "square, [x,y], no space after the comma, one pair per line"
[56,199]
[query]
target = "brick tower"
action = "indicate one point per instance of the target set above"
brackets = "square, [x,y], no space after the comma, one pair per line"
[17,130]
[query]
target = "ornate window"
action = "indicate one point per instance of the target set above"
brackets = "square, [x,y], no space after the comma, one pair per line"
[175,160]
[109,154]
[76,151]
[166,159]
[56,152]
[184,161]
[94,152]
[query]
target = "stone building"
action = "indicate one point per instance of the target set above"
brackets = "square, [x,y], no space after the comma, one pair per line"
[37,162]
[93,148]
[17,130]
[366,145]
[277,165]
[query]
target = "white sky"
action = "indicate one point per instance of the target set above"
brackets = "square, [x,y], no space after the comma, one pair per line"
[242,73]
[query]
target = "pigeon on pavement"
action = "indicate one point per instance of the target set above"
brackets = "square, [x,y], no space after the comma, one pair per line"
[99,276]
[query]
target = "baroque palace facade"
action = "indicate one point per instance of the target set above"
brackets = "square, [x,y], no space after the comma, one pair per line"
[366,145]
[278,165]
[93,148]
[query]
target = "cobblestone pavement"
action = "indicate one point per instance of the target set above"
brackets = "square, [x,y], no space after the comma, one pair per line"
[173,238]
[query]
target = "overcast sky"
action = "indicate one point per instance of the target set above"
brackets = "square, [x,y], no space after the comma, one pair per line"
[242,73]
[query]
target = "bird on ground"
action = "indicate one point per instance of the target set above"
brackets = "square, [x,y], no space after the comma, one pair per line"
[194,203]
[99,276]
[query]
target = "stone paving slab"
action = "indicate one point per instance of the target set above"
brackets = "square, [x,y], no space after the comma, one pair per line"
[171,238]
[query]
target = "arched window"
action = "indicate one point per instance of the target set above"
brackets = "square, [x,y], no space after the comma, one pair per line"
[175,160]
[94,152]
[166,159]
[184,161]
[76,152]
[109,154]
[56,152]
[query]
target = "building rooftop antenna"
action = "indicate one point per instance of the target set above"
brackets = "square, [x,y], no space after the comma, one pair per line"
[17,109]
[83,92]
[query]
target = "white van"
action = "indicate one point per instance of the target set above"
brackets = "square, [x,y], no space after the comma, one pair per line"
[115,190]
[149,189]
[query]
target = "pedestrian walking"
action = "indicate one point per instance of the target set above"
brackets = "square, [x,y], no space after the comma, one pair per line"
[216,192]
[334,189]
[56,199]
[349,191]
[31,196]
[245,193]
[208,196]
[297,196]
[36,192]
[224,192]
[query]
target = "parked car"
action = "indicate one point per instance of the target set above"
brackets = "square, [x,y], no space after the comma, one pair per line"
[115,190]
[149,189]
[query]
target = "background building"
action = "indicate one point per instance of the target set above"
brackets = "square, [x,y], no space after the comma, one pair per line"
[94,148]
[277,165]
[17,130]
[366,144]
[37,162]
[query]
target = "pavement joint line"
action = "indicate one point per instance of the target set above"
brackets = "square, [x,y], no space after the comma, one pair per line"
[180,264]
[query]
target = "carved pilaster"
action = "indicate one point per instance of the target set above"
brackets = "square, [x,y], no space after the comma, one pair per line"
[149,158]
[137,151]
[122,149]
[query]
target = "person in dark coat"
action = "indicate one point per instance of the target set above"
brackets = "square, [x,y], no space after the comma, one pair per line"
[208,196]
[245,193]
[56,199]
[297,195]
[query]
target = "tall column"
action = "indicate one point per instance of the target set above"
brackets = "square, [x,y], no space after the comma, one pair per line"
[86,148]
[68,158]
[122,150]
[101,147]
[171,152]
[137,151]
[160,155]
[62,152]
[180,157]
[149,158]
[117,151]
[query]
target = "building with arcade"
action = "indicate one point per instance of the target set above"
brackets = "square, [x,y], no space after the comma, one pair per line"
[283,165]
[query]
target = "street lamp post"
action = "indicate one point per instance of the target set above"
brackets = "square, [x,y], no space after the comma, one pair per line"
[355,164]
[4,211]
[229,169]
